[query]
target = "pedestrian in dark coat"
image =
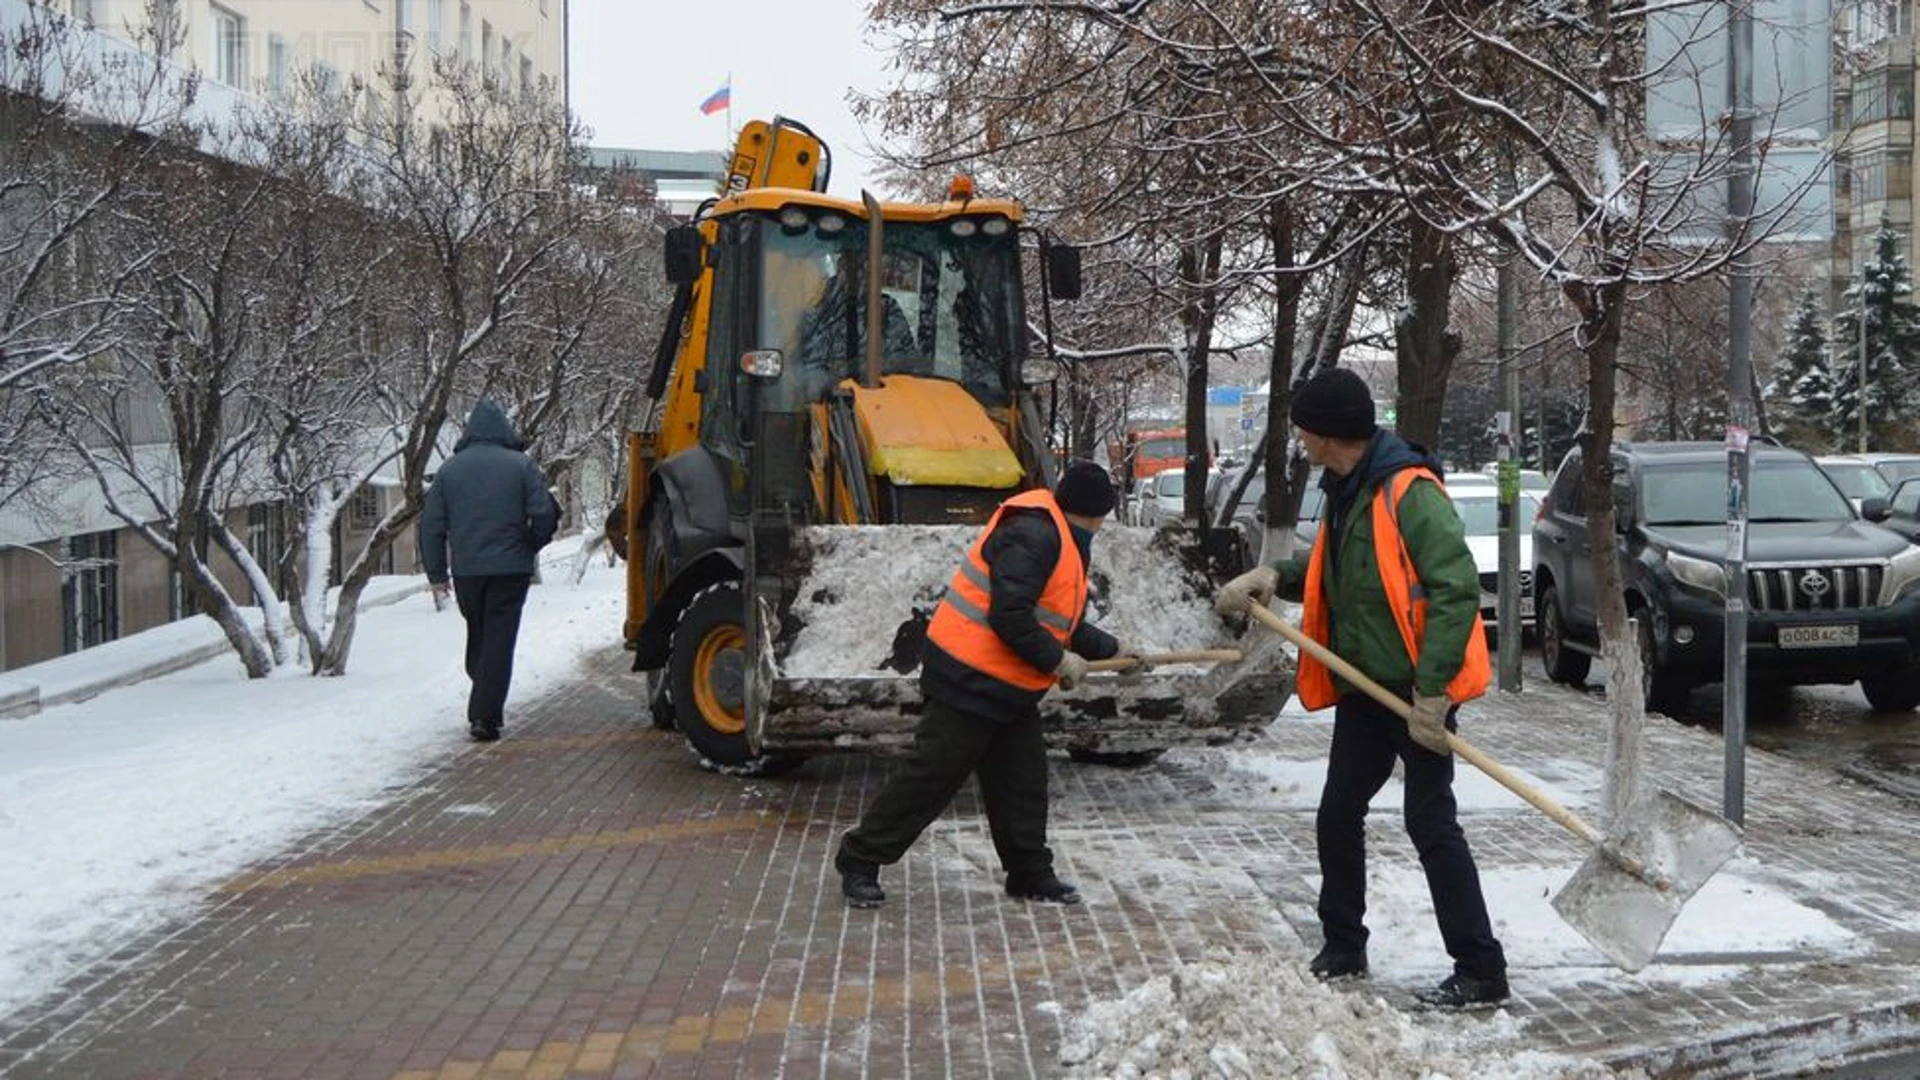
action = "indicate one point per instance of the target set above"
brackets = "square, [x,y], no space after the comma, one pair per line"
[488,513]
[1012,624]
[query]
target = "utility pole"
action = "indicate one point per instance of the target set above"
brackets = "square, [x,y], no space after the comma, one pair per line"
[1860,392]
[1508,425]
[1733,721]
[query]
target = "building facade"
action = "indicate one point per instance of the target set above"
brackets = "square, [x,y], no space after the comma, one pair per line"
[72,575]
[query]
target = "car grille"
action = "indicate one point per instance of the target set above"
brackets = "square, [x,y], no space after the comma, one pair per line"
[1490,582]
[1814,588]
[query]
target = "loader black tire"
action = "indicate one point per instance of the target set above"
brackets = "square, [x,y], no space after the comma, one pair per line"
[707,666]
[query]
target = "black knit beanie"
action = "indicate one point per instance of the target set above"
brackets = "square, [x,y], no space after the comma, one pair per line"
[1334,404]
[1084,489]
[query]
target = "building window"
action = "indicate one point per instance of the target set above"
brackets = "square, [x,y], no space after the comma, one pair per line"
[1879,175]
[466,30]
[436,31]
[526,73]
[366,507]
[1886,94]
[229,48]
[267,541]
[90,591]
[1877,20]
[279,67]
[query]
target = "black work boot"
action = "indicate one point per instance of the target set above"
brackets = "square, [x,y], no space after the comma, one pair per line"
[1461,991]
[859,882]
[1041,885]
[480,732]
[1334,963]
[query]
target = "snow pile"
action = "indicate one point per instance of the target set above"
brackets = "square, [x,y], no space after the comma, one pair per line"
[863,582]
[1249,1016]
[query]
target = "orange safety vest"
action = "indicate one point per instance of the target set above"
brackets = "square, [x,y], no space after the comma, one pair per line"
[959,624]
[1313,681]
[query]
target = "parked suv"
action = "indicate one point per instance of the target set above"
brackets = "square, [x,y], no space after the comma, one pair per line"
[1831,598]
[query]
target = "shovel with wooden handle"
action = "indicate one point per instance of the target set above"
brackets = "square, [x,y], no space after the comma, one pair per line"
[1191,656]
[1624,898]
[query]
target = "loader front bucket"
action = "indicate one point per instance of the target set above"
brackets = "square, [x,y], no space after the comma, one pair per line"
[849,617]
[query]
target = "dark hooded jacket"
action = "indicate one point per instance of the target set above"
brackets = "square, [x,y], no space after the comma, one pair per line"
[488,511]
[1021,553]
[1364,632]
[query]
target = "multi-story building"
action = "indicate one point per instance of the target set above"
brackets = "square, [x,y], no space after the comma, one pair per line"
[1873,123]
[72,576]
[260,47]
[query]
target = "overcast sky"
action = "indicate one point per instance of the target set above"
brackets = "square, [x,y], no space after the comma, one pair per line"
[639,72]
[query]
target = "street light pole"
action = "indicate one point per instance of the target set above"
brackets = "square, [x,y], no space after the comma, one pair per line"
[1508,434]
[1739,402]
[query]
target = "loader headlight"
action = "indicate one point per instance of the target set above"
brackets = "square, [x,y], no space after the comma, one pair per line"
[763,363]
[831,224]
[996,226]
[1699,573]
[793,219]
[963,227]
[1903,576]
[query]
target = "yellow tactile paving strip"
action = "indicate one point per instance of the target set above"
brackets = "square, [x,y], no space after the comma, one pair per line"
[690,1035]
[413,862]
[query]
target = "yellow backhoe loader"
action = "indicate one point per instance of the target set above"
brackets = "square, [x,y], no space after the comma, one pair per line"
[840,399]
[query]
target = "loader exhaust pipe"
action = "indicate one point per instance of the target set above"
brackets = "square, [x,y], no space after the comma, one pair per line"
[876,324]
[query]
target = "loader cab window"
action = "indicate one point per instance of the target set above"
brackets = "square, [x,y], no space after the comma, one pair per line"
[950,302]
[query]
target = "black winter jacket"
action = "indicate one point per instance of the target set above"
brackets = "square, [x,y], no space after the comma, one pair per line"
[1021,554]
[489,507]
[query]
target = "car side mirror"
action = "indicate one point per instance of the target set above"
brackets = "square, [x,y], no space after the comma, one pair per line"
[1875,508]
[683,255]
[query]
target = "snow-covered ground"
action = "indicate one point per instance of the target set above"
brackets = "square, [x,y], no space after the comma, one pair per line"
[119,814]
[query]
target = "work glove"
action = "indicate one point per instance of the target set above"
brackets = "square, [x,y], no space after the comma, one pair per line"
[1071,669]
[1256,586]
[1428,722]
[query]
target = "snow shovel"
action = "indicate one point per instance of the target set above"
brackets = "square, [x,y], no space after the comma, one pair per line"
[1626,895]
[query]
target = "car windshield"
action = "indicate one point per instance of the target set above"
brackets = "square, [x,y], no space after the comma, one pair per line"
[1896,471]
[1480,511]
[950,305]
[1695,493]
[1857,480]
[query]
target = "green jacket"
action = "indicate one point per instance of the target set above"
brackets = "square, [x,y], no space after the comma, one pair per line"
[1363,630]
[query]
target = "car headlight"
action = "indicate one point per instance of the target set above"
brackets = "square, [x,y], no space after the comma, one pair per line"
[1903,576]
[1698,573]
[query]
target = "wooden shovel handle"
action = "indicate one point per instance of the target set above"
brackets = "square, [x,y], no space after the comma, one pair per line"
[1191,656]
[1508,779]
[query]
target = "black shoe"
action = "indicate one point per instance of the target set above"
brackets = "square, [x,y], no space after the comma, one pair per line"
[1042,886]
[1465,992]
[859,882]
[483,732]
[1333,964]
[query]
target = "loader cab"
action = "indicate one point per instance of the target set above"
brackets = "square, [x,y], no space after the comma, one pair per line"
[788,325]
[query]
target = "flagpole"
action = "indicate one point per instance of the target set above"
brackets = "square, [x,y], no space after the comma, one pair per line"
[730,135]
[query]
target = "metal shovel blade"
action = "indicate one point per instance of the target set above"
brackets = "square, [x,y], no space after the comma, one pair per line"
[1626,915]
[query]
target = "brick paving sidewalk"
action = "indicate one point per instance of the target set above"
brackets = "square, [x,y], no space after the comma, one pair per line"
[579,900]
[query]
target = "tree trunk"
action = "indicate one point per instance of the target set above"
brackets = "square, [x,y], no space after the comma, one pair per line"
[1424,348]
[1199,276]
[1277,543]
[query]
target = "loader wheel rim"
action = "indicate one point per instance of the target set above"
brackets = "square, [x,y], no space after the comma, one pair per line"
[720,680]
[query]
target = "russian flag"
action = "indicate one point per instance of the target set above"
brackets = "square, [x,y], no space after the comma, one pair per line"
[718,100]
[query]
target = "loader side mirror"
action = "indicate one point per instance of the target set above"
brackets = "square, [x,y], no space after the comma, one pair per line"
[683,255]
[1063,271]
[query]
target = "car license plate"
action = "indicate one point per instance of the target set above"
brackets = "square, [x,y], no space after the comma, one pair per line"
[1818,637]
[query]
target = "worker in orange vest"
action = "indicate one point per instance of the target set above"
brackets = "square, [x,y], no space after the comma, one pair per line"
[1392,588]
[1011,626]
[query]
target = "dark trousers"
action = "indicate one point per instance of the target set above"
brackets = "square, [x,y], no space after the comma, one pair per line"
[491,605]
[1010,758]
[1366,739]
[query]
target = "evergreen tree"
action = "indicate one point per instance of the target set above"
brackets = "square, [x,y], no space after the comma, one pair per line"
[1800,394]
[1893,346]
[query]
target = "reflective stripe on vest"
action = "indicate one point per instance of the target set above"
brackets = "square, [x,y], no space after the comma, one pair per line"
[959,624]
[1408,599]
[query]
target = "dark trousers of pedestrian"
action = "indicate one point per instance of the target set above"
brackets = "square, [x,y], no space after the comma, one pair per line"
[1010,758]
[491,605]
[1367,738]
